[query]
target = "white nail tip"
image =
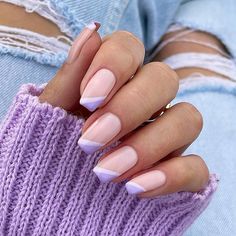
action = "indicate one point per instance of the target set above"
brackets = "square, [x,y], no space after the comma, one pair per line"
[91,26]
[133,188]
[105,175]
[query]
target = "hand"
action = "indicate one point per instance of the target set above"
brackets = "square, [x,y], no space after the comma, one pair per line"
[149,156]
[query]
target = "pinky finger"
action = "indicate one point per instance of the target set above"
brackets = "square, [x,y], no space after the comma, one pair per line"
[188,173]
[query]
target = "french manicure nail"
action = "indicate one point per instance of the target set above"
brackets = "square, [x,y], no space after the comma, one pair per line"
[116,163]
[146,182]
[97,89]
[79,42]
[103,130]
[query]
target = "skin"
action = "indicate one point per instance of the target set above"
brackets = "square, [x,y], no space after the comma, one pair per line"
[154,142]
[160,144]
[15,16]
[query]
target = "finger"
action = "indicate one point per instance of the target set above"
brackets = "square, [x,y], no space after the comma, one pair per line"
[116,61]
[178,126]
[177,152]
[151,88]
[63,89]
[188,173]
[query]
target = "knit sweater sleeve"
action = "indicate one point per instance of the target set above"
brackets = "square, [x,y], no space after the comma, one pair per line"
[47,186]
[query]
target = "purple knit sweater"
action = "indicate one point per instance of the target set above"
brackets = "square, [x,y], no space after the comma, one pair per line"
[47,186]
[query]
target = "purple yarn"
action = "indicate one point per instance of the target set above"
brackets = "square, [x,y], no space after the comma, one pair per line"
[47,186]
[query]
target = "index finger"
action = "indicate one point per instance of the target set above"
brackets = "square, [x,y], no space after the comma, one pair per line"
[63,89]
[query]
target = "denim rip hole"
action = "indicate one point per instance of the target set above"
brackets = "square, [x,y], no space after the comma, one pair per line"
[221,63]
[34,46]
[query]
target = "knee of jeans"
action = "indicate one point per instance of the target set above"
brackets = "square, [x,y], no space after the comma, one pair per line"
[31,45]
[221,63]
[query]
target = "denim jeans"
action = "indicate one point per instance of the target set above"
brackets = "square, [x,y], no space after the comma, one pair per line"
[149,20]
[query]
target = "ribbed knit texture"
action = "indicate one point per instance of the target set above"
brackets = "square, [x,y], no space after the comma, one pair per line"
[47,186]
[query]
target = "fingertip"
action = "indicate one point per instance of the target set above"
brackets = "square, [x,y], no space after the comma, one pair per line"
[91,103]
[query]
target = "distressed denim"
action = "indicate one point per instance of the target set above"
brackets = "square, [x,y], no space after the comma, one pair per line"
[149,20]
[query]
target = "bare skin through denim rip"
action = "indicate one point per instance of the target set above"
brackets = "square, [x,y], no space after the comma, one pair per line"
[28,43]
[220,62]
[46,10]
[32,41]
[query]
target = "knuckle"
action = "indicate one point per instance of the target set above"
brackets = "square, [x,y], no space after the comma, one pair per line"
[193,114]
[114,46]
[171,76]
[129,41]
[126,46]
[203,169]
[123,33]
[166,73]
[183,172]
[122,53]
[129,60]
[129,36]
[191,172]
[144,105]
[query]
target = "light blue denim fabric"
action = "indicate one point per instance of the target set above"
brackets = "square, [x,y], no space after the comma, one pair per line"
[216,100]
[149,19]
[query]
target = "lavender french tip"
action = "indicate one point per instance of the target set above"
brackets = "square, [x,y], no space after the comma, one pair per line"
[91,103]
[104,175]
[133,188]
[88,147]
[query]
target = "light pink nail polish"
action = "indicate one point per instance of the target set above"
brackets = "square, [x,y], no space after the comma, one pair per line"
[115,164]
[103,130]
[97,89]
[146,182]
[78,44]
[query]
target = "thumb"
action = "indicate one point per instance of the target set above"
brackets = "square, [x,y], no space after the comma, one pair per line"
[64,89]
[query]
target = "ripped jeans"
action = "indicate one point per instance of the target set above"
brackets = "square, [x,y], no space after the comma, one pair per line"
[28,57]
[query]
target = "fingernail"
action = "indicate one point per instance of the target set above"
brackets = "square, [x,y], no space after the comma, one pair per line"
[103,130]
[115,164]
[97,89]
[146,182]
[81,40]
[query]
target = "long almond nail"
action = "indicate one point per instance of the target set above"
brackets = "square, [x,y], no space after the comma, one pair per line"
[103,130]
[85,34]
[97,89]
[146,182]
[115,164]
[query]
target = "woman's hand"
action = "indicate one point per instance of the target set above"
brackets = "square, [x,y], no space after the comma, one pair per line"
[98,74]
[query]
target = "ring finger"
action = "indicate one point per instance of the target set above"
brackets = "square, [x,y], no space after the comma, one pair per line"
[152,87]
